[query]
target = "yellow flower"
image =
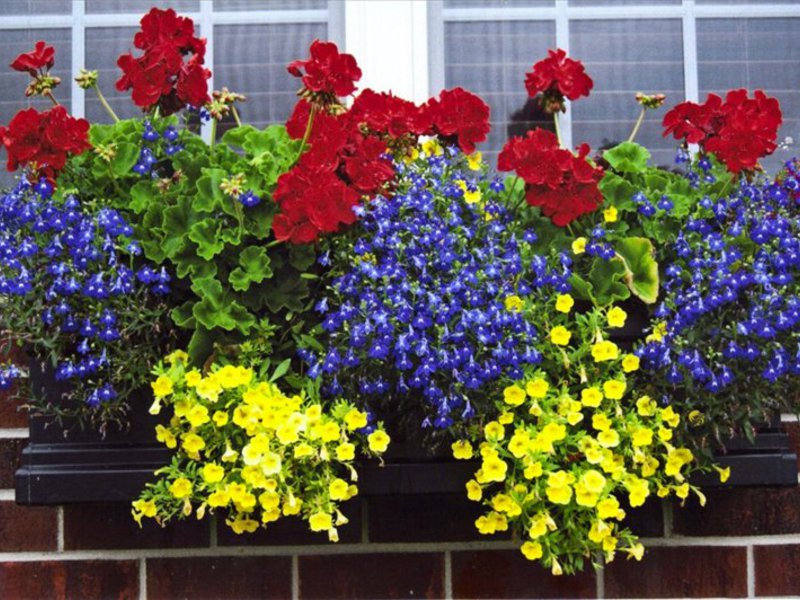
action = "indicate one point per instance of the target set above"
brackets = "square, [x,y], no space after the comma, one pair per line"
[584,497]
[664,434]
[638,490]
[355,419]
[579,245]
[197,415]
[724,474]
[474,490]
[514,303]
[696,418]
[241,525]
[670,416]
[506,417]
[642,437]
[166,437]
[474,161]
[636,551]
[192,378]
[610,214]
[345,451]
[213,473]
[470,196]
[378,441]
[518,444]
[330,432]
[601,422]
[462,450]
[144,508]
[337,489]
[608,438]
[614,390]
[630,363]
[599,531]
[320,521]
[616,317]
[271,463]
[559,494]
[591,397]
[537,388]
[564,303]
[560,335]
[533,470]
[605,350]
[220,418]
[181,488]
[608,508]
[514,395]
[593,481]
[431,148]
[494,431]
[493,469]
[162,386]
[649,466]
[177,356]
[531,550]
[659,331]
[302,450]
[218,498]
[646,406]
[193,443]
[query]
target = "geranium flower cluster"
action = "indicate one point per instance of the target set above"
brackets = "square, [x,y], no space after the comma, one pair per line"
[562,184]
[163,76]
[731,313]
[557,77]
[429,286]
[44,141]
[347,158]
[573,445]
[82,301]
[739,130]
[247,450]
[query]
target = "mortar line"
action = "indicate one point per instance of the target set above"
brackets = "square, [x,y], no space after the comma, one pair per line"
[142,579]
[600,579]
[448,575]
[295,577]
[60,529]
[751,573]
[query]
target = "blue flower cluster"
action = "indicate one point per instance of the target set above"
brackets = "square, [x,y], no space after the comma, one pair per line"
[732,310]
[64,264]
[417,305]
[147,156]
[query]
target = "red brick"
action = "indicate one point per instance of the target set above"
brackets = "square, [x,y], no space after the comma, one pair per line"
[741,511]
[777,570]
[372,576]
[293,531]
[66,580]
[111,527]
[425,518]
[219,577]
[647,520]
[687,572]
[11,412]
[10,451]
[27,528]
[508,574]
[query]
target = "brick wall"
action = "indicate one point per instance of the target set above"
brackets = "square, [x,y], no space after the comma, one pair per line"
[746,543]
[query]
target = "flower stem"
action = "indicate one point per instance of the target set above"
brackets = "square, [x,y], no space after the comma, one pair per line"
[236,116]
[307,133]
[213,133]
[639,122]
[105,104]
[558,129]
[50,95]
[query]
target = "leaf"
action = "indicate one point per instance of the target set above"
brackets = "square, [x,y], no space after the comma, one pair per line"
[237,135]
[627,157]
[182,315]
[178,220]
[280,370]
[581,289]
[204,234]
[210,198]
[641,268]
[217,309]
[200,346]
[125,157]
[606,277]
[617,191]
[254,267]
[286,291]
[302,256]
[141,197]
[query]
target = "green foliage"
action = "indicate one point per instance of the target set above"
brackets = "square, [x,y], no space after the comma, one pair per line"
[641,269]
[232,277]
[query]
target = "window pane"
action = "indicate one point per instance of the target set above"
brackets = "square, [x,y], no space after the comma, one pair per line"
[36,7]
[745,1]
[491,59]
[221,5]
[624,57]
[103,47]
[754,54]
[621,2]
[139,6]
[252,59]
[497,3]
[13,84]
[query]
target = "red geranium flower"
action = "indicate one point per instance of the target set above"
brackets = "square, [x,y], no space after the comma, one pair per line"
[557,77]
[41,57]
[739,131]
[327,71]
[44,140]
[562,183]
[162,76]
[384,113]
[461,116]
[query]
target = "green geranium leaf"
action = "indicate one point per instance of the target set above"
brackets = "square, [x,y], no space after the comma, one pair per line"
[301,257]
[201,345]
[178,220]
[217,309]
[238,135]
[210,198]
[125,157]
[141,197]
[287,290]
[641,268]
[204,234]
[606,279]
[182,315]
[627,157]
[581,289]
[254,268]
[617,191]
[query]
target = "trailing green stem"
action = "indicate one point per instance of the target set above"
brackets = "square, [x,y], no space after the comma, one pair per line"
[105,104]
[638,124]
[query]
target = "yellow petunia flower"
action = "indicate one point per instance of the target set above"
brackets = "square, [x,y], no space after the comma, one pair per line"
[474,161]
[630,363]
[181,488]
[537,388]
[610,214]
[579,245]
[614,389]
[564,303]
[513,395]
[462,450]
[513,303]
[616,317]
[162,386]
[591,397]
[378,441]
[560,335]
